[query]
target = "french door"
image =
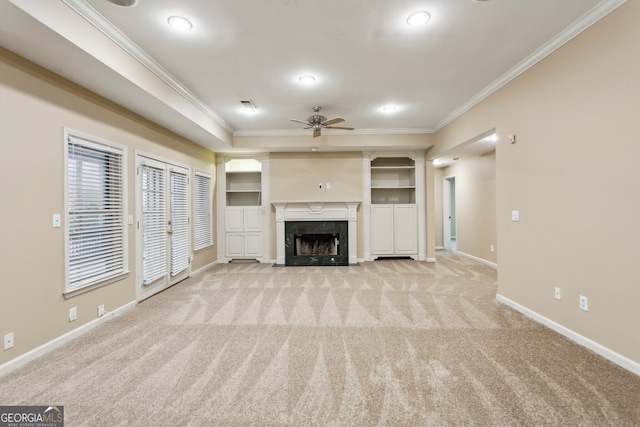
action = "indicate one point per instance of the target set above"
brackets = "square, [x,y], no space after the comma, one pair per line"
[162,226]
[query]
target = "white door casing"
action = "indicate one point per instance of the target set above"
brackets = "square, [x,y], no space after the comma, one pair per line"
[162,228]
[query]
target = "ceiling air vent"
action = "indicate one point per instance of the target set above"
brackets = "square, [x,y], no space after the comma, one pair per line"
[248,106]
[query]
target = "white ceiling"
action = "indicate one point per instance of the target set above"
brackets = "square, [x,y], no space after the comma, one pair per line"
[362,53]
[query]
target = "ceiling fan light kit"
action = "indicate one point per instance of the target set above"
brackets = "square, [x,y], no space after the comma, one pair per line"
[317,122]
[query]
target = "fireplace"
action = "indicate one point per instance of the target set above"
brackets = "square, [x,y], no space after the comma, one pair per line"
[328,233]
[316,243]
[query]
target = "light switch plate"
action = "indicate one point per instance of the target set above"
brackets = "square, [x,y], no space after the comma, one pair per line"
[56,221]
[515,215]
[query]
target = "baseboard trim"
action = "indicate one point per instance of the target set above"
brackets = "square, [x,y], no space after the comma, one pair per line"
[439,248]
[430,260]
[201,269]
[475,258]
[603,351]
[62,339]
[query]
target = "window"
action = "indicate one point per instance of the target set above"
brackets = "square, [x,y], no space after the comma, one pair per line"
[95,210]
[202,205]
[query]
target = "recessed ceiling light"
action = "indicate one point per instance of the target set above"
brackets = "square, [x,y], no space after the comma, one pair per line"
[389,109]
[418,18]
[307,80]
[180,23]
[125,3]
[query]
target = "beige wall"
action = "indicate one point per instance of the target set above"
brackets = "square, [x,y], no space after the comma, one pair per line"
[475,201]
[35,106]
[295,176]
[573,175]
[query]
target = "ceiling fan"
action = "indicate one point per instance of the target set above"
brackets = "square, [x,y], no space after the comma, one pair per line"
[317,122]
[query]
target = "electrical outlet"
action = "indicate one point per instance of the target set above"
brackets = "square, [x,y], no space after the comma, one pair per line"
[515,216]
[556,293]
[73,314]
[584,303]
[101,310]
[491,248]
[8,341]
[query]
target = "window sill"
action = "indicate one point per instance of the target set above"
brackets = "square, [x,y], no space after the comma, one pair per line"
[89,288]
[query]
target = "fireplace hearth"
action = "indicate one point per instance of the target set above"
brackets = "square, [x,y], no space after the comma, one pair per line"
[309,243]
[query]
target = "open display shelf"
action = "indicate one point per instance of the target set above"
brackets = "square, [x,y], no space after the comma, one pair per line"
[244,188]
[393,180]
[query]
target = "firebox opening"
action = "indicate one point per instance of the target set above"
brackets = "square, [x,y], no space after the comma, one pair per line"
[317,244]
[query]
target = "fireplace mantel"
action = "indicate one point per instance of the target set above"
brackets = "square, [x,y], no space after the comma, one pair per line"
[316,211]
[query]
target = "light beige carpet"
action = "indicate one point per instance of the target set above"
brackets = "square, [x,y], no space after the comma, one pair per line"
[394,342]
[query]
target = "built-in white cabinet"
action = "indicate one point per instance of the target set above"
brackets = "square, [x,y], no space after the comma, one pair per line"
[394,229]
[394,205]
[243,230]
[242,202]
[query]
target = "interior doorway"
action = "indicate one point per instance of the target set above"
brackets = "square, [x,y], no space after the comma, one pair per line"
[162,229]
[449,213]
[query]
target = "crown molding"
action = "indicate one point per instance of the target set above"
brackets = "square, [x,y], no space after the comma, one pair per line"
[594,15]
[391,131]
[86,11]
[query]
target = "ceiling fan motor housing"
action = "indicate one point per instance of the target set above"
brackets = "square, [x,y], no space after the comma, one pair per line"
[316,119]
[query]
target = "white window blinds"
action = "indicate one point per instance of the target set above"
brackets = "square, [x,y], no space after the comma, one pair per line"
[202,208]
[179,222]
[154,224]
[95,213]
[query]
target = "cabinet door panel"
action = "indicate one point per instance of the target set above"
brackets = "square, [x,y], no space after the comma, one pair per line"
[252,219]
[234,219]
[382,229]
[405,229]
[253,244]
[234,245]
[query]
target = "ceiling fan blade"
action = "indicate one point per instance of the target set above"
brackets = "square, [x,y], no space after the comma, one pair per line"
[333,121]
[338,127]
[300,121]
[316,132]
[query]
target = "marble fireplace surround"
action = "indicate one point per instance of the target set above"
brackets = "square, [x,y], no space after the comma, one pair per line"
[316,211]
